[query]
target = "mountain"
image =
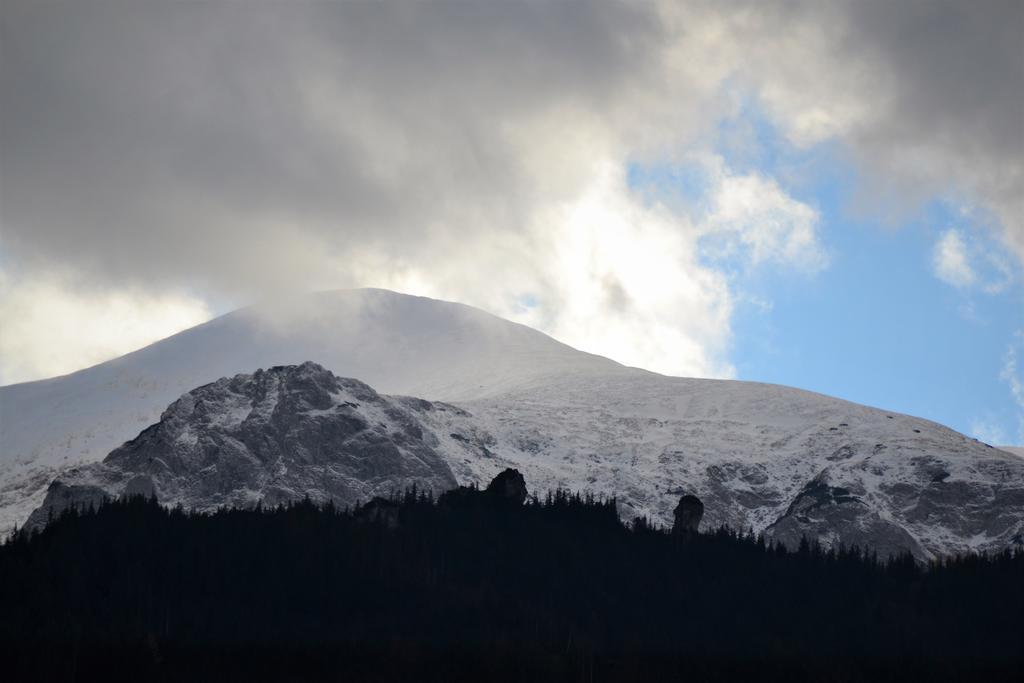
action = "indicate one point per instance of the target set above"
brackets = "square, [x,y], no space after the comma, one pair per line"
[274,436]
[396,343]
[765,457]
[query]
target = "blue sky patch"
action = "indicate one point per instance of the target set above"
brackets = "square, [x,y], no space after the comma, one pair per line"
[878,325]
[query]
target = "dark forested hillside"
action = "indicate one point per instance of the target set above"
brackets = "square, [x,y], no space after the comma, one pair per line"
[481,587]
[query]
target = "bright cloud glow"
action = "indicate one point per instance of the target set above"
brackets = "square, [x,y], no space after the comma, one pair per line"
[51,327]
[613,273]
[626,282]
[604,273]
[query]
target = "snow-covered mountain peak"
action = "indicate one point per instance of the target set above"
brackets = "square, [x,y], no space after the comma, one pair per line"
[272,436]
[397,343]
[306,389]
[767,457]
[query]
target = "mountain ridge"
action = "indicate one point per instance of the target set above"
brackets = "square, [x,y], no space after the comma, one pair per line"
[566,420]
[210,449]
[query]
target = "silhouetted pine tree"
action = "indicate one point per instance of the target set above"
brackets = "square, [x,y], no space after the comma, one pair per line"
[463,588]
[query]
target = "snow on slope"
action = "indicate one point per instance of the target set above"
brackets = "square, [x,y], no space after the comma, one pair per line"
[749,451]
[394,342]
[766,457]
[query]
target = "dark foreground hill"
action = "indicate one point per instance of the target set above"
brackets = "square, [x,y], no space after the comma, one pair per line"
[479,586]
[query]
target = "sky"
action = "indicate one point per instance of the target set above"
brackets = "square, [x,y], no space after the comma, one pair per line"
[827,195]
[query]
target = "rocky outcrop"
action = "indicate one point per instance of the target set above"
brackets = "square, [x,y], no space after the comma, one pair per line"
[274,436]
[688,514]
[508,486]
[833,515]
[508,489]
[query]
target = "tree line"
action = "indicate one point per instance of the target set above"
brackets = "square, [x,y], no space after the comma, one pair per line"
[473,586]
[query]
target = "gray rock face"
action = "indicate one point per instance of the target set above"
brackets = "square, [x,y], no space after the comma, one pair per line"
[832,514]
[61,496]
[273,436]
[688,515]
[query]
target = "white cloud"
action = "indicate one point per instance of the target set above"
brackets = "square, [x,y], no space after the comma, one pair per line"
[923,113]
[604,272]
[474,150]
[1002,271]
[626,282]
[607,271]
[950,260]
[611,272]
[1013,375]
[51,326]
[987,431]
[969,261]
[752,213]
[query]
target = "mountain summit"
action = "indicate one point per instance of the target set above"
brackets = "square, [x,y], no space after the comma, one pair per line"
[397,343]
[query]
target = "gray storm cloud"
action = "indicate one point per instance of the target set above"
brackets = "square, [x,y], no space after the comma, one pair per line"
[929,96]
[473,150]
[176,139]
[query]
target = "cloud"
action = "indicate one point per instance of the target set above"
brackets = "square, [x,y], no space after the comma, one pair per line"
[1013,376]
[751,213]
[53,326]
[950,260]
[475,150]
[606,273]
[616,267]
[987,431]
[927,96]
[968,261]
